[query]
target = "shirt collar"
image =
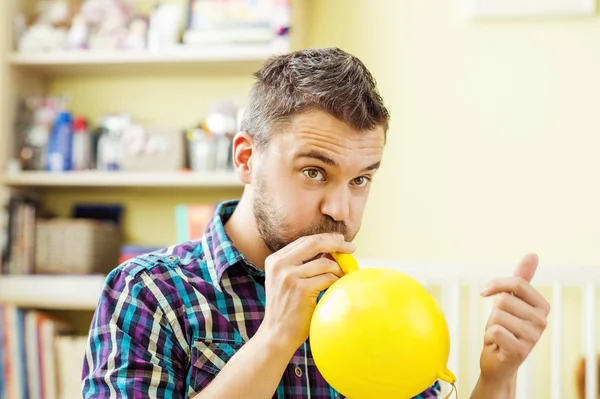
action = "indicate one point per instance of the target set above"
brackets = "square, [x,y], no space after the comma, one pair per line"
[220,248]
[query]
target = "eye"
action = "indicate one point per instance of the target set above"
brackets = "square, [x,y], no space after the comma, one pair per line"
[361,181]
[314,174]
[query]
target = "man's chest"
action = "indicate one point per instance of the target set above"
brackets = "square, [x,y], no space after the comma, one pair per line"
[221,322]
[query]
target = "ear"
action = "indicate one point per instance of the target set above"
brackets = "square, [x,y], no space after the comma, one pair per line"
[243,151]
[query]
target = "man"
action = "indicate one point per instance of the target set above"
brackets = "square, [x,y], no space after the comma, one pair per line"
[228,316]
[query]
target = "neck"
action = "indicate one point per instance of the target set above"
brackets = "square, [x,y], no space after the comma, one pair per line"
[241,229]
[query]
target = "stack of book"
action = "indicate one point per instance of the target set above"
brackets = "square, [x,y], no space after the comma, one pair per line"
[38,357]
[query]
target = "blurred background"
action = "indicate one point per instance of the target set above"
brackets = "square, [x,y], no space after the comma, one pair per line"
[116,118]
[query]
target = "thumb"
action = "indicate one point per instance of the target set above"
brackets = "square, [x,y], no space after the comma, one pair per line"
[527,267]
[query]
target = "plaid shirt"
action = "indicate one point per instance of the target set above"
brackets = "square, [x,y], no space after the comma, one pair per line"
[168,321]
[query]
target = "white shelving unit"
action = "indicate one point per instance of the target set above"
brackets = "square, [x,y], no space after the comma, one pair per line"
[52,292]
[97,179]
[238,58]
[26,74]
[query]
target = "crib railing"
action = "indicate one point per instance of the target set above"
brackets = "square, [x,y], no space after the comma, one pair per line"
[457,287]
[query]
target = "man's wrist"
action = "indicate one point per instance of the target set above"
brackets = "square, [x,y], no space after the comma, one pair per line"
[274,342]
[486,388]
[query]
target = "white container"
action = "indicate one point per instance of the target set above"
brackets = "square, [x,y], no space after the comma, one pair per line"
[82,146]
[201,148]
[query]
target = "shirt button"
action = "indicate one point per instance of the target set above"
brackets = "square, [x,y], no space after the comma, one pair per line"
[298,371]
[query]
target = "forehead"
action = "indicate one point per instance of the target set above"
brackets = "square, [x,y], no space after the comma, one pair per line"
[318,130]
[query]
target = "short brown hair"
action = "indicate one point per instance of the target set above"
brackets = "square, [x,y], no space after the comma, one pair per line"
[326,79]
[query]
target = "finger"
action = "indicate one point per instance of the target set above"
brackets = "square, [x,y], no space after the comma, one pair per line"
[310,246]
[516,306]
[499,335]
[291,246]
[509,347]
[527,267]
[319,266]
[518,327]
[322,281]
[522,310]
[520,288]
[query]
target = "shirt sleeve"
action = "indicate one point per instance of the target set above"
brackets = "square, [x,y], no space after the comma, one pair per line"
[132,349]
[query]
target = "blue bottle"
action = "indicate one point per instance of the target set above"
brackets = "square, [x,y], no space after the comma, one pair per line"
[60,147]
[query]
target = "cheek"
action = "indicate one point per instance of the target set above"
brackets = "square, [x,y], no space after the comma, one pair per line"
[301,205]
[357,209]
[295,190]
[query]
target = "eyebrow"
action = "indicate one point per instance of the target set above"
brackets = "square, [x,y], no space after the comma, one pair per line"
[328,161]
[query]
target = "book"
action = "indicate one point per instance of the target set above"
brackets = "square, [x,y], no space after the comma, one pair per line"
[191,220]
[2,354]
[32,342]
[18,250]
[28,356]
[71,352]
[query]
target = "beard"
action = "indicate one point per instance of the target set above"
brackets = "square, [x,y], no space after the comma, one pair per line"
[276,233]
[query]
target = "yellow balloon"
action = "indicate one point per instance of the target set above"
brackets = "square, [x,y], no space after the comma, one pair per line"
[378,333]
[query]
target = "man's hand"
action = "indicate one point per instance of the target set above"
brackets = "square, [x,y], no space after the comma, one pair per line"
[292,286]
[294,277]
[516,323]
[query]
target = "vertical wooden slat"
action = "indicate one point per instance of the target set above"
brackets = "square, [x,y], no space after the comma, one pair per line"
[451,307]
[7,8]
[444,298]
[451,295]
[524,385]
[589,328]
[556,342]
[475,336]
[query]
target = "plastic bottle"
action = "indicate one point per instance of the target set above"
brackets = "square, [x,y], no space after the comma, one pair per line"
[60,147]
[81,145]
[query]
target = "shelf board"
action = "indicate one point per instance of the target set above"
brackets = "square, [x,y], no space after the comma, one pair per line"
[70,292]
[246,58]
[91,179]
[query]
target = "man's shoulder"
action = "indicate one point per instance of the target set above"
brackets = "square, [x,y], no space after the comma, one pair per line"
[169,276]
[165,261]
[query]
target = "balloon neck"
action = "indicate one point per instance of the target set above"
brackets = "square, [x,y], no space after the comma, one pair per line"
[347,262]
[447,376]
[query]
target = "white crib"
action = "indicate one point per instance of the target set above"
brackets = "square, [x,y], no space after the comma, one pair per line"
[457,287]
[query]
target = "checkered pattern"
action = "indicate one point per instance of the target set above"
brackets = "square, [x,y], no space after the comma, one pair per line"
[167,322]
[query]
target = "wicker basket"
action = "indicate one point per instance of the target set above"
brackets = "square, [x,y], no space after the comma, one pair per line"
[76,246]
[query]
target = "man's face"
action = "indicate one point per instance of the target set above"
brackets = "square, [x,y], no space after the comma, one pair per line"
[315,177]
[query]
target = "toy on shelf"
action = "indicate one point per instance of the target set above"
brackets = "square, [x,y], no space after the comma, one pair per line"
[107,21]
[49,31]
[209,144]
[117,25]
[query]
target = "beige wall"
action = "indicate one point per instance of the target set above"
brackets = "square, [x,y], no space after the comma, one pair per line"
[493,146]
[492,151]
[494,140]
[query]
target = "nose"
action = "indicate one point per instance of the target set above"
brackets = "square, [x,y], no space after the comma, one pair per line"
[336,204]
